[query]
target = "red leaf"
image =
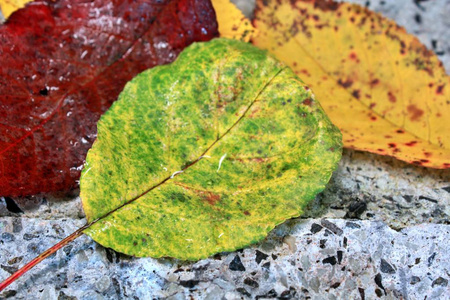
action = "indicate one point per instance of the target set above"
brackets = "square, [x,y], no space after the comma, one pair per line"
[63,63]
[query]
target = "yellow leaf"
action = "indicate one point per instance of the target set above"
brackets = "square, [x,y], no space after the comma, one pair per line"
[232,23]
[9,6]
[386,92]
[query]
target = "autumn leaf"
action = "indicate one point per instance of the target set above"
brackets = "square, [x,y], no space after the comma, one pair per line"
[386,92]
[7,7]
[206,155]
[232,23]
[62,65]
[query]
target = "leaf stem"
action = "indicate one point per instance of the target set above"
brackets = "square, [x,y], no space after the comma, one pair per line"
[41,257]
[79,231]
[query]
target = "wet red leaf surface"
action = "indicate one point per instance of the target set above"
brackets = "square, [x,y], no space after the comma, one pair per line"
[63,63]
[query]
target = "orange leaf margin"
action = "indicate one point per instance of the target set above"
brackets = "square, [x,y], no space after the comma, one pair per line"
[386,92]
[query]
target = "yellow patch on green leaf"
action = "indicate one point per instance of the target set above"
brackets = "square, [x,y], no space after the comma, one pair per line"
[207,154]
[386,92]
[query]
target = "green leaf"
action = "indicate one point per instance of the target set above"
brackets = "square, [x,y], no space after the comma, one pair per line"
[253,145]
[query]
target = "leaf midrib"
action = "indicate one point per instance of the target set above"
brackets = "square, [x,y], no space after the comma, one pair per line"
[90,223]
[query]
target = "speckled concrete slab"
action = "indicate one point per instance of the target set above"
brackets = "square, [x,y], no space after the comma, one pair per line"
[316,258]
[379,230]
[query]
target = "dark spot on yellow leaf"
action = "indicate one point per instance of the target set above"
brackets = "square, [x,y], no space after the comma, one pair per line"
[410,144]
[440,89]
[415,113]
[388,136]
[355,94]
[347,83]
[392,145]
[427,154]
[391,97]
[326,5]
[374,82]
[304,71]
[246,213]
[353,56]
[400,131]
[372,105]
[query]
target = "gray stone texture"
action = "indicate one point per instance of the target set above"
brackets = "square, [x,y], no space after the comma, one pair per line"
[379,230]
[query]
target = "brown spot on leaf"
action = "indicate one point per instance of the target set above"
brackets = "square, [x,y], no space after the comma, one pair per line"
[326,5]
[211,198]
[411,144]
[391,97]
[440,89]
[374,82]
[246,213]
[355,94]
[353,56]
[304,71]
[392,145]
[372,105]
[208,196]
[427,154]
[388,136]
[347,83]
[400,131]
[307,102]
[415,113]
